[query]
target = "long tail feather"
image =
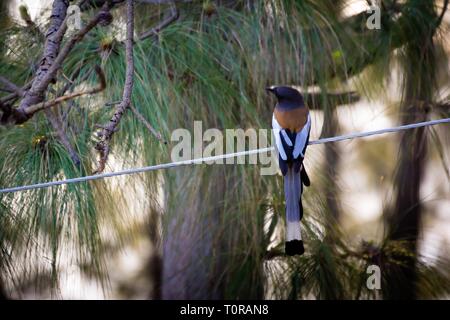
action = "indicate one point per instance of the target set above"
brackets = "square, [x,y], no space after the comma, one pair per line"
[292,191]
[292,196]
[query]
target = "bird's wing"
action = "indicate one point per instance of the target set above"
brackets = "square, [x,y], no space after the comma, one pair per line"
[276,132]
[302,139]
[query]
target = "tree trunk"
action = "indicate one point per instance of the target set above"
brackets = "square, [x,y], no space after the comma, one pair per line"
[154,264]
[405,220]
[188,243]
[331,165]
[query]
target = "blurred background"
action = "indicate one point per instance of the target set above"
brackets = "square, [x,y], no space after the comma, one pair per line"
[217,231]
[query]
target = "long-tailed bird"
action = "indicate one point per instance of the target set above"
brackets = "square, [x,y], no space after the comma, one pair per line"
[291,125]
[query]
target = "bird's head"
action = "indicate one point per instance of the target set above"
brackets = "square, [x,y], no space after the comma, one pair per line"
[286,95]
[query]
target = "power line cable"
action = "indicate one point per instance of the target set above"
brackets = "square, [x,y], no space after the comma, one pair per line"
[219,157]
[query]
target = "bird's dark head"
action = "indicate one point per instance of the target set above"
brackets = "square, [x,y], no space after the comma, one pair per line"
[287,96]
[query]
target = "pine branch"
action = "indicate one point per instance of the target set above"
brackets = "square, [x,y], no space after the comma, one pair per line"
[145,122]
[55,121]
[11,87]
[140,118]
[315,100]
[103,146]
[47,72]
[16,94]
[48,104]
[53,38]
[174,15]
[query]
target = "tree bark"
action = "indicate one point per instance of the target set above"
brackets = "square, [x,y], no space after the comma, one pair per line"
[51,50]
[188,243]
[331,165]
[404,221]
[103,146]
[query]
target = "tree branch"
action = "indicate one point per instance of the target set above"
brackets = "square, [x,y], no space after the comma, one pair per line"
[145,122]
[315,100]
[140,118]
[55,121]
[53,38]
[15,95]
[11,115]
[48,104]
[11,86]
[103,146]
[174,15]
[45,75]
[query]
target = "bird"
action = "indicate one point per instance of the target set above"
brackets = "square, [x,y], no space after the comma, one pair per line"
[291,124]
